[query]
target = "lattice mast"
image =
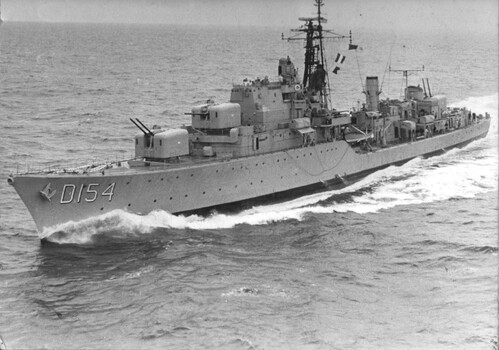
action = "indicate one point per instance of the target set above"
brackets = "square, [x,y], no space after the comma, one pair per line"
[315,73]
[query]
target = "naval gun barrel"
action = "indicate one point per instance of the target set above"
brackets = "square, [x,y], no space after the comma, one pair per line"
[145,127]
[142,127]
[138,126]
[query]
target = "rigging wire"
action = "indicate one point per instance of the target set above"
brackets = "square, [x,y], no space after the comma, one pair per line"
[328,97]
[360,75]
[388,64]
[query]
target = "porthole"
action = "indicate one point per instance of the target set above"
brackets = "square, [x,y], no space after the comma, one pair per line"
[128,183]
[171,198]
[155,200]
[149,180]
[161,179]
[219,189]
[185,196]
[192,175]
[129,204]
[176,177]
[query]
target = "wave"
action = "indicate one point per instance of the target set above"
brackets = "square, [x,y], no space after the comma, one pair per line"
[457,174]
[480,104]
[381,190]
[483,104]
[486,249]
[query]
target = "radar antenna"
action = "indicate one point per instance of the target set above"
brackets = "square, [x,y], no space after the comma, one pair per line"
[406,73]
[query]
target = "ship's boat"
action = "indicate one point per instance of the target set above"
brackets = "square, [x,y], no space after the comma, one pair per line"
[271,137]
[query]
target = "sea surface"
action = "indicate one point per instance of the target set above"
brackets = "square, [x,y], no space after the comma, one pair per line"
[405,258]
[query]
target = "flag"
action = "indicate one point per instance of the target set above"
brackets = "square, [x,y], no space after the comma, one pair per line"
[339,57]
[336,69]
[352,47]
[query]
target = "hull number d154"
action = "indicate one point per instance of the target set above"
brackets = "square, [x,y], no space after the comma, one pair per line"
[85,193]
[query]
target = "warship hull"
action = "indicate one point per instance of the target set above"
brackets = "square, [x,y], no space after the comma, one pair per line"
[58,198]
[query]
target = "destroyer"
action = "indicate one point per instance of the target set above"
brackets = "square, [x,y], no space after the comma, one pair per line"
[270,138]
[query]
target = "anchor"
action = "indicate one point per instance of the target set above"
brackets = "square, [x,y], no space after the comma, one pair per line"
[47,193]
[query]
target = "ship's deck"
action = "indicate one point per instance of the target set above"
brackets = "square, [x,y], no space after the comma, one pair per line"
[135,166]
[126,166]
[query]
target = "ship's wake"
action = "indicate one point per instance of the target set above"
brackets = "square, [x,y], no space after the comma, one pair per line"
[459,173]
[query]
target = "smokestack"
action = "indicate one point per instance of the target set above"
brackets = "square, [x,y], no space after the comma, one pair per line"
[372,93]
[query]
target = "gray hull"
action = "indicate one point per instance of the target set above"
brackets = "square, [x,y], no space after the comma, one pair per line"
[77,197]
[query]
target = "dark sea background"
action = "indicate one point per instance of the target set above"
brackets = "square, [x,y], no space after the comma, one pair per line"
[406,258]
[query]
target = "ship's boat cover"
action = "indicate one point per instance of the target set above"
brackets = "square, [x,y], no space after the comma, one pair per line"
[408,124]
[425,119]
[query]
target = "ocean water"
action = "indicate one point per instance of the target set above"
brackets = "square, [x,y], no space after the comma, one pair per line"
[405,258]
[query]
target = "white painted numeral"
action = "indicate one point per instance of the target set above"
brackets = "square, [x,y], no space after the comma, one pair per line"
[78,199]
[90,194]
[89,190]
[109,191]
[72,193]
